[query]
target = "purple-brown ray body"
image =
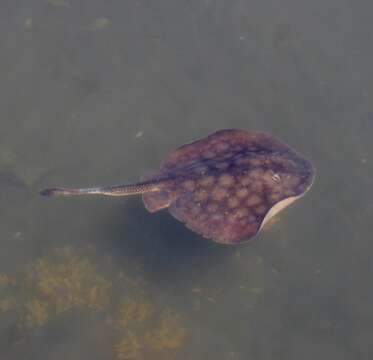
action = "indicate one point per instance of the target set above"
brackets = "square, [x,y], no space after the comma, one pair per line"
[225,186]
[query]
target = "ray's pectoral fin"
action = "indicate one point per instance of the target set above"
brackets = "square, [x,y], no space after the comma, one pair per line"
[158,200]
[214,221]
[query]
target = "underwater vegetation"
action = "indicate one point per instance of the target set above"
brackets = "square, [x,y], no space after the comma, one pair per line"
[138,342]
[6,303]
[70,279]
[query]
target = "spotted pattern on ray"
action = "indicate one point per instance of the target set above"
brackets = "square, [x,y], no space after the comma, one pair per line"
[225,184]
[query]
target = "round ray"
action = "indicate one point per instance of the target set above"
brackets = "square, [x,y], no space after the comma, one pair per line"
[225,186]
[236,179]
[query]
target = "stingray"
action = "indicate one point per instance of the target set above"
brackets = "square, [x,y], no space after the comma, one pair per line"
[225,186]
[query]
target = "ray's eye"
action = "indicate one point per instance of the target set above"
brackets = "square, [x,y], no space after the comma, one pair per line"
[276,178]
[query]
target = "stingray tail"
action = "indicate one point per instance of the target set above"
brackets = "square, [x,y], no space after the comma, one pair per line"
[115,190]
[69,192]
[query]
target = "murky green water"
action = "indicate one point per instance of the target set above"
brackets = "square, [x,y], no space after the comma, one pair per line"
[98,93]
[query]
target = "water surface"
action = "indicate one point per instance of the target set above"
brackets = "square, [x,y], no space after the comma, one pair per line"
[98,93]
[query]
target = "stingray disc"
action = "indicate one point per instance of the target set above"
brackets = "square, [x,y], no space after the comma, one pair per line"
[227,185]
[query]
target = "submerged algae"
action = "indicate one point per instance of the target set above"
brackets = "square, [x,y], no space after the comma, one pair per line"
[6,280]
[137,339]
[72,279]
[7,304]
[133,311]
[129,347]
[7,301]
[36,314]
[169,334]
[67,280]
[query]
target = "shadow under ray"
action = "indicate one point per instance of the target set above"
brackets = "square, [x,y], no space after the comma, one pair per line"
[168,253]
